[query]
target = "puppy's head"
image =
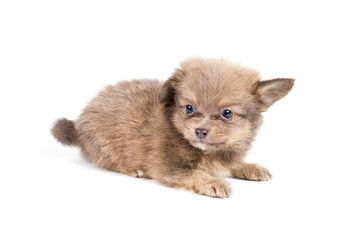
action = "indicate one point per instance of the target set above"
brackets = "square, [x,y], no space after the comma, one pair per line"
[218,104]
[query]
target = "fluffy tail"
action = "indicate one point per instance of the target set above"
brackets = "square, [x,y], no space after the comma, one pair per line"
[64,132]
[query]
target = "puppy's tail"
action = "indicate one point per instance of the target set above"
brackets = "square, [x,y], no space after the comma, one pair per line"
[64,131]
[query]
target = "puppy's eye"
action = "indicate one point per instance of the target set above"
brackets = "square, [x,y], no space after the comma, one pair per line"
[227,114]
[189,109]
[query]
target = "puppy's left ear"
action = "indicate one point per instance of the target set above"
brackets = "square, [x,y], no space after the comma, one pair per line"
[270,91]
[168,90]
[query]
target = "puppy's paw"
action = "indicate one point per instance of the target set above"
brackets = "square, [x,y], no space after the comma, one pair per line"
[253,172]
[200,182]
[136,174]
[217,188]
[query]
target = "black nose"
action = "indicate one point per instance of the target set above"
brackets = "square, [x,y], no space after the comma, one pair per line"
[201,133]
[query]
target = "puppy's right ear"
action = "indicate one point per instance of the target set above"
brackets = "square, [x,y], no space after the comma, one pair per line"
[168,90]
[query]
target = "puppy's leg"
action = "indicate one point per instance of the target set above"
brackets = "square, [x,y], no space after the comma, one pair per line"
[200,182]
[251,171]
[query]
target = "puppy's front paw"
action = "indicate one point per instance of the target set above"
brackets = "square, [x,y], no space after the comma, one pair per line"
[217,188]
[200,182]
[251,171]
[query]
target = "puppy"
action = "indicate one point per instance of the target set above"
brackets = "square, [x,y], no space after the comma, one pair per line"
[187,132]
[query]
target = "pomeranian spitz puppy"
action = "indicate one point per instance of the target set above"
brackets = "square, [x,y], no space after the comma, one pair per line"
[188,132]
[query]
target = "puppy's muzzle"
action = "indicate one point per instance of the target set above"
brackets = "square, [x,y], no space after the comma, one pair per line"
[201,132]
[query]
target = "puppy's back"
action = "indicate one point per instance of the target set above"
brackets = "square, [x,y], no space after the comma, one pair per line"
[116,129]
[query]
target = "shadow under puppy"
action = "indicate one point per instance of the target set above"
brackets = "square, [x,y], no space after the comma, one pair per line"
[187,132]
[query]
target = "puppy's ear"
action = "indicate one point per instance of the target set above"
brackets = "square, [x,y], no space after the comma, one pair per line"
[270,91]
[168,90]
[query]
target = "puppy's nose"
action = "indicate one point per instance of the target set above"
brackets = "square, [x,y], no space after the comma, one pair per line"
[201,133]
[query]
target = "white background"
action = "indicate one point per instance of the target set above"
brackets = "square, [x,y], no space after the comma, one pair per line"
[56,55]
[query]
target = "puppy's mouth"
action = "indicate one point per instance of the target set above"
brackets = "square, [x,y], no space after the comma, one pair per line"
[203,144]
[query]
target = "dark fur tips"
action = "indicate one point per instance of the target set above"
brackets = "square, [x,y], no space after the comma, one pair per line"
[64,131]
[167,93]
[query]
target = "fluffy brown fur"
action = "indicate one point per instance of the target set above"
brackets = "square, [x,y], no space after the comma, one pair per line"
[142,128]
